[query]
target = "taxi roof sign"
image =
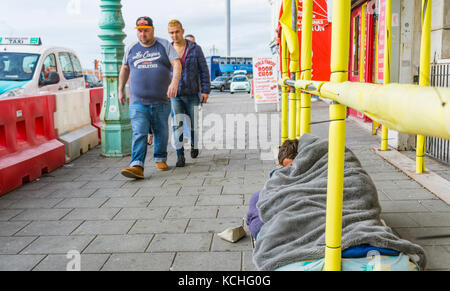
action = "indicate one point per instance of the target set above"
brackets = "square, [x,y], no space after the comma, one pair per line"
[20,41]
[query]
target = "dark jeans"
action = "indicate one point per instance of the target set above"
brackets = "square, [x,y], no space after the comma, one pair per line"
[185,108]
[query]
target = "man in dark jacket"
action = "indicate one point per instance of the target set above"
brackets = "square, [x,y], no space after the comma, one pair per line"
[194,79]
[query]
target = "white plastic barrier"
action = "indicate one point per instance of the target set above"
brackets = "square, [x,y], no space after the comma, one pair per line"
[73,123]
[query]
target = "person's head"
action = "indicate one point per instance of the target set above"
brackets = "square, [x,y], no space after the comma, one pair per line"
[176,31]
[145,30]
[190,37]
[287,152]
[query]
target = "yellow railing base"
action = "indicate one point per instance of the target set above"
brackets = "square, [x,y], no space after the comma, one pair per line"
[332,259]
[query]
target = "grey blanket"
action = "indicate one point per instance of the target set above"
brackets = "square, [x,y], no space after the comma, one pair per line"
[292,206]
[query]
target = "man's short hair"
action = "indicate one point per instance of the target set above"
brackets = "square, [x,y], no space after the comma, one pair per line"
[175,22]
[288,150]
[189,35]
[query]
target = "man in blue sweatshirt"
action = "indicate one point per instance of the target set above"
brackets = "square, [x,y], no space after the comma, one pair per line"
[194,79]
[147,63]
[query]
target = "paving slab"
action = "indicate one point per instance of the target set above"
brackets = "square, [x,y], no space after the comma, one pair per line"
[91,214]
[104,227]
[118,244]
[88,262]
[207,261]
[139,262]
[19,262]
[9,228]
[181,242]
[56,244]
[159,226]
[13,245]
[141,213]
[39,228]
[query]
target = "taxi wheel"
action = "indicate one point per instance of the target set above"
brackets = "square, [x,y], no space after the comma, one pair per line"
[222,88]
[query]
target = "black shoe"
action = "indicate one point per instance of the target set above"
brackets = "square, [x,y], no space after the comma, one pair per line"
[181,162]
[194,153]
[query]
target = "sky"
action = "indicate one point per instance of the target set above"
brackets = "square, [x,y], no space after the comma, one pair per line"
[74,23]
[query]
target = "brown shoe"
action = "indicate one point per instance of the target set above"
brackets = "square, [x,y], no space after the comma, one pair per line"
[162,166]
[135,172]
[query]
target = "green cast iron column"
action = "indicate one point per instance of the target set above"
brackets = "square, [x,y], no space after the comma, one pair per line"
[116,128]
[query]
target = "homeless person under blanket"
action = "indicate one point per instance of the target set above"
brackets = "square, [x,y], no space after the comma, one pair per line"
[292,206]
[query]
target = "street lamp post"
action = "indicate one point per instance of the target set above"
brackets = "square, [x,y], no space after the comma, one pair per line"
[116,128]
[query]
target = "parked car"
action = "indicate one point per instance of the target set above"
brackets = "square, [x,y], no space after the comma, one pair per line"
[92,81]
[221,83]
[240,83]
[28,68]
[239,72]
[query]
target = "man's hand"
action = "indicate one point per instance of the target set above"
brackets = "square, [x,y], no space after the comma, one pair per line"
[172,91]
[204,97]
[122,97]
[123,79]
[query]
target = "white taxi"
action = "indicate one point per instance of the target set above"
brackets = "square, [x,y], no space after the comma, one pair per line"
[29,68]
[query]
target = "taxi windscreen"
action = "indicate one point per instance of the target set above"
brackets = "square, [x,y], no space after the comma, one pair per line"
[17,66]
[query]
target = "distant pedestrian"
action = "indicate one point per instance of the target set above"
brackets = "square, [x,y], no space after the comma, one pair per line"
[190,37]
[147,63]
[194,79]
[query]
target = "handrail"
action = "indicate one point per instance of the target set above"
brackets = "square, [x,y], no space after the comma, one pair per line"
[407,108]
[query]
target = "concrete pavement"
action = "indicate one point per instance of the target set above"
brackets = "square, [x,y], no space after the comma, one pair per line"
[170,220]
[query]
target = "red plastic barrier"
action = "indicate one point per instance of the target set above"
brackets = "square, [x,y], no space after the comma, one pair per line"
[28,144]
[95,108]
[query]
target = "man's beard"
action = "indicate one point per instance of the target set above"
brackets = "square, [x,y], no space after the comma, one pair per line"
[147,41]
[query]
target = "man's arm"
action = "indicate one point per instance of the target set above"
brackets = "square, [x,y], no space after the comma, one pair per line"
[123,79]
[176,74]
[204,76]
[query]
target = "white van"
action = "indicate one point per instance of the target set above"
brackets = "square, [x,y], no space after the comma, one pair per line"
[28,68]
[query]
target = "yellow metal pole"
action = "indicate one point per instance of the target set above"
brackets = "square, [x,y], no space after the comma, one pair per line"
[292,111]
[336,144]
[387,64]
[424,75]
[305,123]
[298,93]
[294,69]
[285,89]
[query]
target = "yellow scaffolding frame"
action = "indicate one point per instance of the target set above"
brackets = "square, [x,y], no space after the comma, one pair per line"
[424,75]
[412,109]
[387,64]
[306,63]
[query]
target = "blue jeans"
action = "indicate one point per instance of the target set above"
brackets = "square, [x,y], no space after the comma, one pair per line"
[142,118]
[185,108]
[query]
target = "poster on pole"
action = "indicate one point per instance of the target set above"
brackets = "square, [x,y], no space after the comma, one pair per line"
[381,42]
[265,81]
[321,38]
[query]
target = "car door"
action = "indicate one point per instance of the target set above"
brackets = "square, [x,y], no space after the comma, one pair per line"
[78,81]
[49,65]
[66,69]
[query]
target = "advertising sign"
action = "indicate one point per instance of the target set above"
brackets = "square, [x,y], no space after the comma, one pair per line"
[265,83]
[381,41]
[321,38]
